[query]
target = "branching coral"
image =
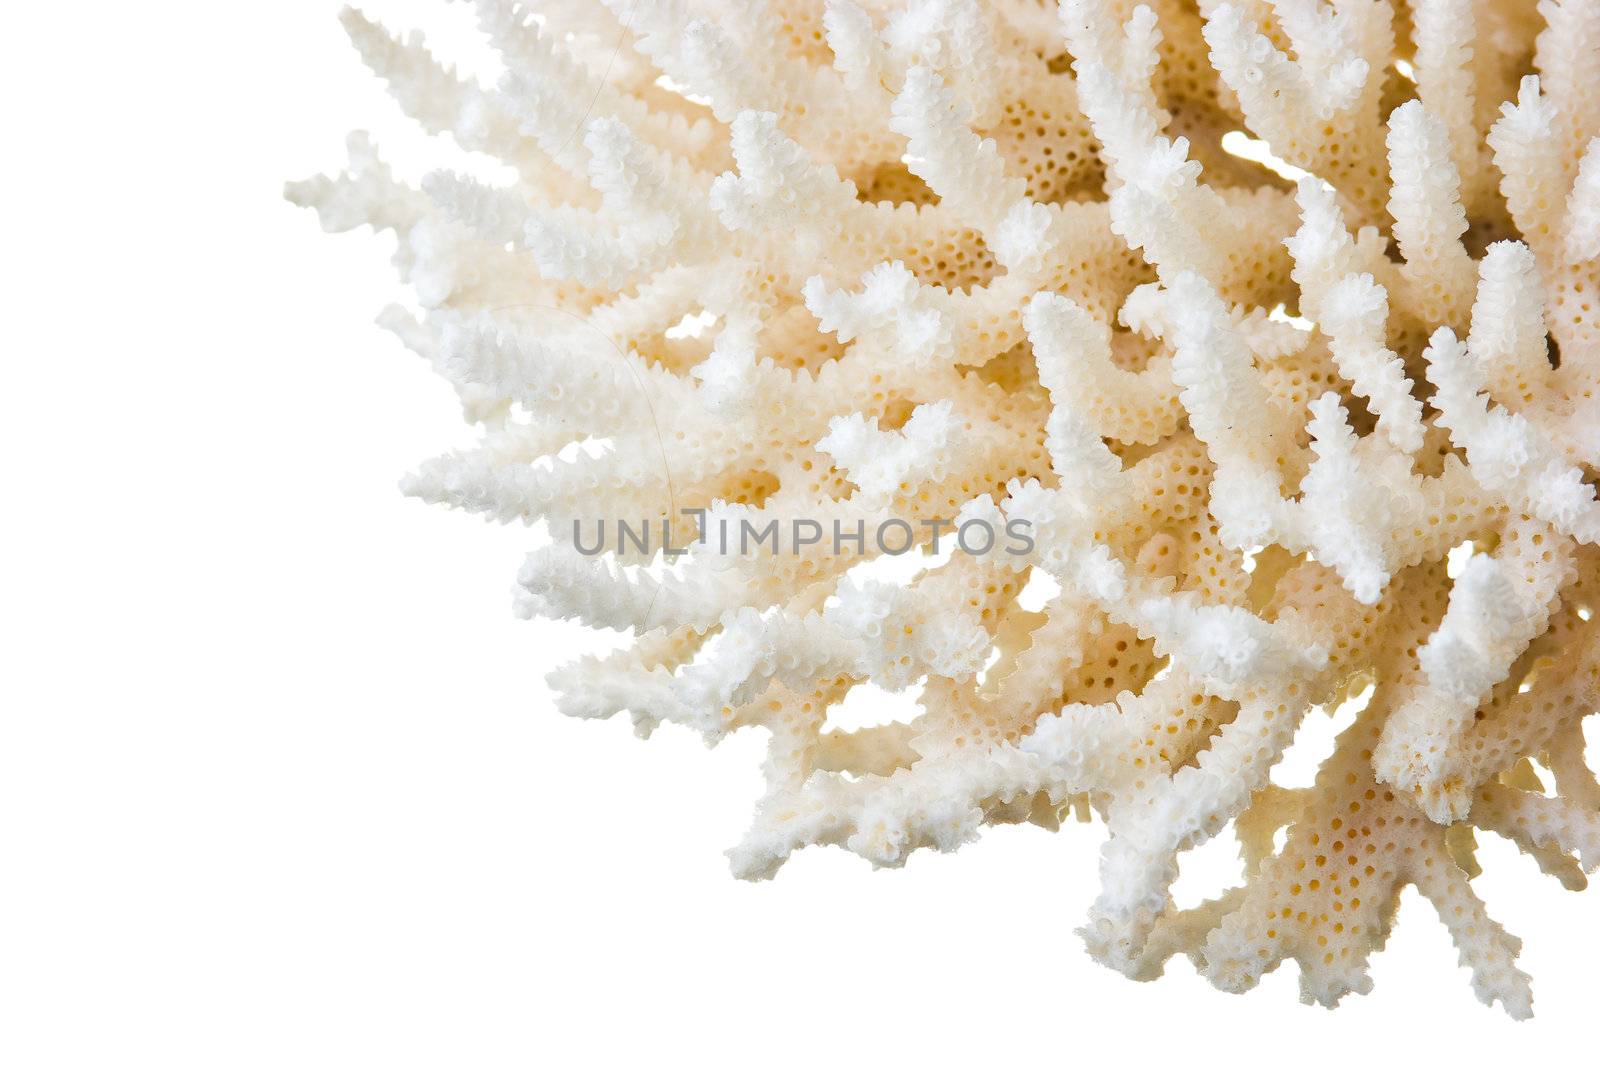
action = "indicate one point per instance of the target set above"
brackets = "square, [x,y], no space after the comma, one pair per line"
[995,262]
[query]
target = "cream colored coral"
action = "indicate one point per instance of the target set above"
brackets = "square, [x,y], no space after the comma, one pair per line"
[996,262]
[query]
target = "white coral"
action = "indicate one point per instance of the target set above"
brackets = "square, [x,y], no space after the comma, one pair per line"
[959,268]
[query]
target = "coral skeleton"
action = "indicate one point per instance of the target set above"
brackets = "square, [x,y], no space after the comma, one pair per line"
[1277,322]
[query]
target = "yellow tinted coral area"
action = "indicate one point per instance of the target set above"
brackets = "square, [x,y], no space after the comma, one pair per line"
[1114,383]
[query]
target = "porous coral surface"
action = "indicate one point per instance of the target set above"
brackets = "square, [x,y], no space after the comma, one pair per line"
[1277,322]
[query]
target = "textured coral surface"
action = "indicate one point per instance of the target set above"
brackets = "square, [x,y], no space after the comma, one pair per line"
[1275,320]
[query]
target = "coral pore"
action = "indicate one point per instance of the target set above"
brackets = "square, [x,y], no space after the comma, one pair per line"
[1268,329]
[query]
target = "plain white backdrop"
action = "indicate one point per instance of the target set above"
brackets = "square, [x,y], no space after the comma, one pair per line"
[279,777]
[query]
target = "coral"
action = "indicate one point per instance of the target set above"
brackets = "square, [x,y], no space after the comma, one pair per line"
[1274,443]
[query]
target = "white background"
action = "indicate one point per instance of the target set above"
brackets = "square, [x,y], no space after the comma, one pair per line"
[279,779]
